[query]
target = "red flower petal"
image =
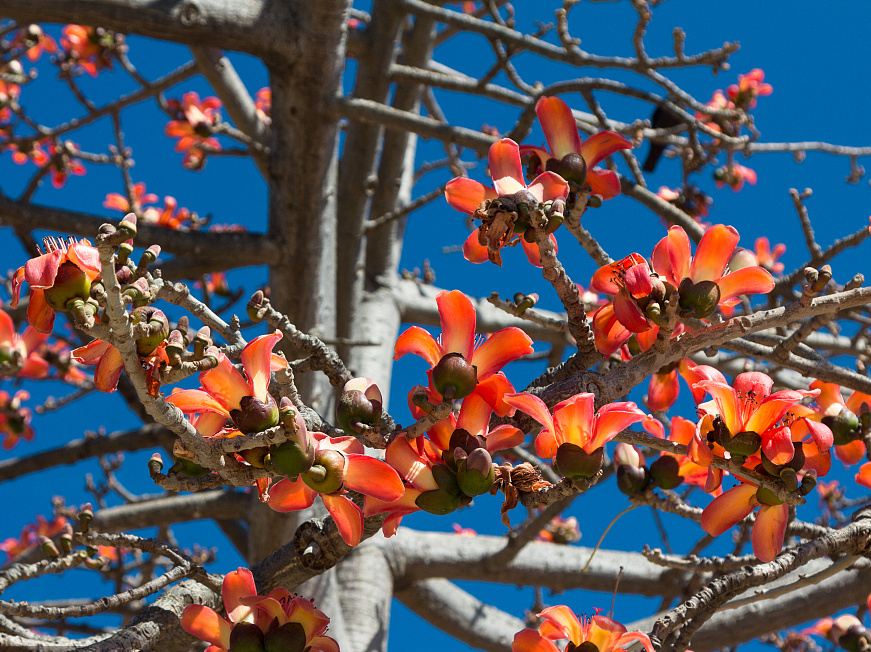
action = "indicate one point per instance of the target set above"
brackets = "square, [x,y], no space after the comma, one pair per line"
[196,400]
[559,126]
[348,518]
[207,625]
[565,622]
[237,584]
[419,342]
[504,437]
[505,167]
[40,315]
[465,195]
[457,316]
[574,419]
[629,314]
[529,640]
[611,419]
[671,256]
[863,477]
[769,530]
[601,145]
[713,253]
[777,445]
[821,433]
[225,384]
[41,271]
[603,183]
[86,257]
[729,508]
[109,370]
[501,347]
[474,251]
[548,186]
[750,280]
[257,362]
[372,477]
[411,466]
[290,496]
[662,391]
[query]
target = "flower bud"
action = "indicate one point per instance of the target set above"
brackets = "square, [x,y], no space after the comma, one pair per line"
[256,307]
[138,292]
[66,538]
[86,513]
[808,482]
[627,454]
[297,454]
[571,167]
[159,326]
[855,639]
[359,405]
[290,637]
[844,426]
[698,300]
[124,251]
[632,479]
[665,472]
[475,473]
[453,377]
[460,440]
[97,563]
[327,474]
[789,478]
[744,443]
[70,283]
[254,415]
[574,462]
[155,464]
[438,502]
[128,226]
[767,497]
[48,547]
[174,347]
[741,259]
[149,256]
[246,637]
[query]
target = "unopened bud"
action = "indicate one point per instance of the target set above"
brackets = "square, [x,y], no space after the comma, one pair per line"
[155,464]
[256,306]
[85,515]
[149,256]
[66,538]
[574,462]
[48,547]
[128,226]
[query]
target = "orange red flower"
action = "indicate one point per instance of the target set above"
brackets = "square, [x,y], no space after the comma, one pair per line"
[561,623]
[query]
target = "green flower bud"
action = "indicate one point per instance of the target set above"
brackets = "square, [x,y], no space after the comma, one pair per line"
[290,637]
[745,443]
[808,482]
[574,462]
[291,459]
[48,547]
[256,307]
[844,426]
[246,637]
[159,329]
[438,502]
[254,415]
[128,226]
[86,513]
[327,474]
[476,473]
[789,479]
[698,300]
[767,497]
[70,283]
[453,377]
[665,472]
[632,479]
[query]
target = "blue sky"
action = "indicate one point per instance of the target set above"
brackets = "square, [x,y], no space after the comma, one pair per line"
[813,56]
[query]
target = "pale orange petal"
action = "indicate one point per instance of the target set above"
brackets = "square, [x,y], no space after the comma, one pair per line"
[419,342]
[499,349]
[348,518]
[372,477]
[729,508]
[257,362]
[713,253]
[769,530]
[505,167]
[465,195]
[559,126]
[457,316]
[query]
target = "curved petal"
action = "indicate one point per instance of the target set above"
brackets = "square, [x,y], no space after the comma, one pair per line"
[548,186]
[750,280]
[7,328]
[533,406]
[237,584]
[196,400]
[91,352]
[713,253]
[821,433]
[629,314]
[854,403]
[533,253]
[777,445]
[225,384]
[851,453]
[609,333]
[492,390]
[323,644]
[348,518]
[671,256]
[815,460]
[604,632]
[499,349]
[474,415]
[474,251]
[630,637]
[41,271]
[40,315]
[574,419]
[543,156]
[565,621]
[529,640]
[559,126]
[503,437]
[87,258]
[769,530]
[268,609]
[772,409]
[291,495]
[109,370]
[727,404]
[465,195]
[601,145]
[457,317]
[610,420]
[257,362]
[34,368]
[603,183]
[662,391]
[863,477]
[729,508]
[372,477]
[405,505]
[698,451]
[313,621]
[206,624]
[419,342]
[505,167]
[830,394]
[411,466]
